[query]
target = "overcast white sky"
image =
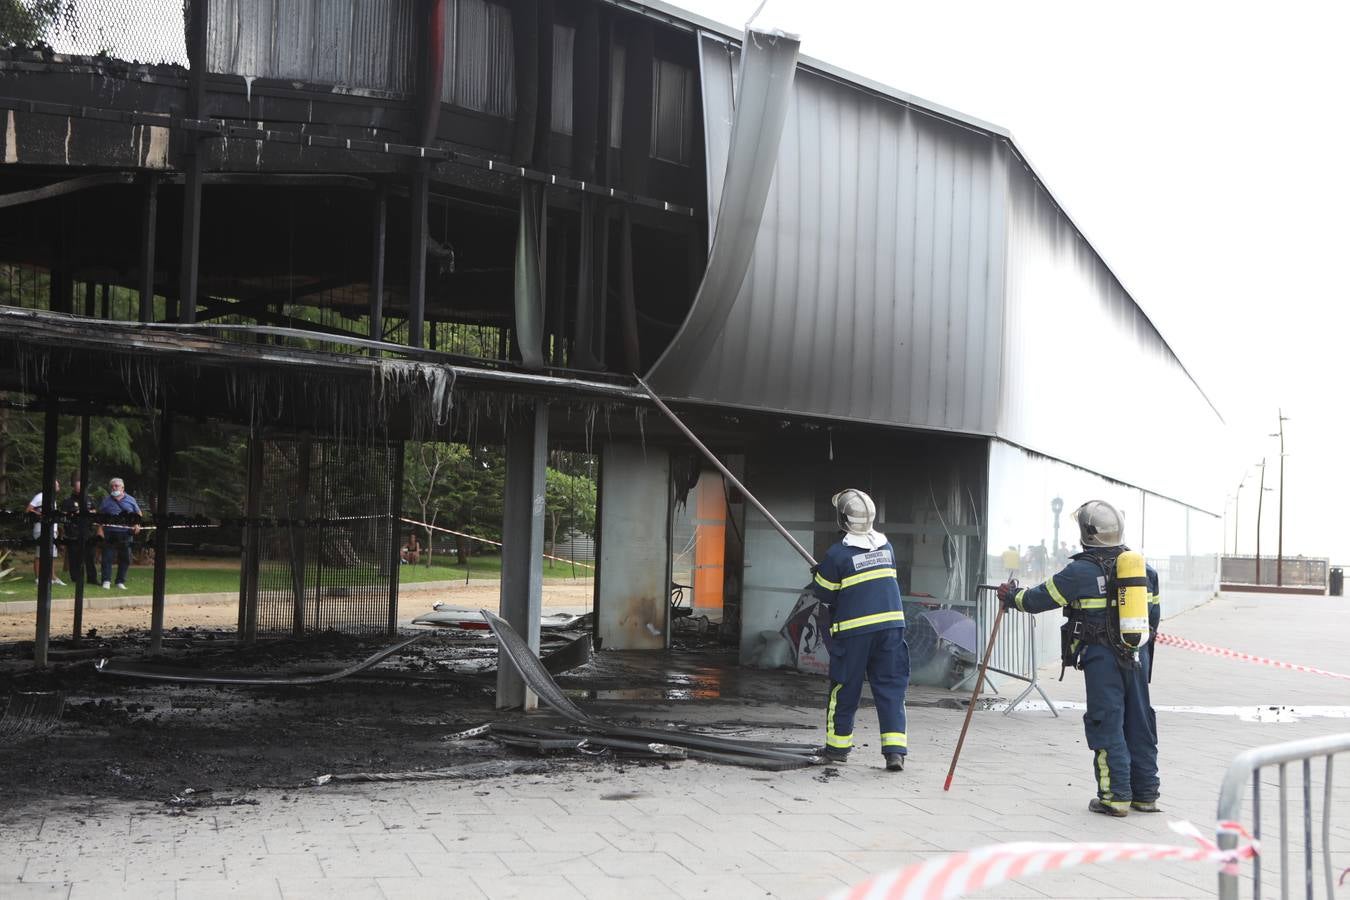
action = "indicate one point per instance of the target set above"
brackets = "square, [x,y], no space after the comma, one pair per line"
[1202,148]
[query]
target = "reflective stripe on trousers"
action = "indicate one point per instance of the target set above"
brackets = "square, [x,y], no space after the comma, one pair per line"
[832,737]
[882,659]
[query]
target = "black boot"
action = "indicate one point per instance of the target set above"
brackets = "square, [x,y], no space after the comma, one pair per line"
[1109,809]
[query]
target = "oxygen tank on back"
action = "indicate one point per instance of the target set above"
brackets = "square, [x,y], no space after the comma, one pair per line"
[1132,598]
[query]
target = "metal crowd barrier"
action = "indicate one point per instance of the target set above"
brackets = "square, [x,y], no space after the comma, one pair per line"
[1015,652]
[1230,808]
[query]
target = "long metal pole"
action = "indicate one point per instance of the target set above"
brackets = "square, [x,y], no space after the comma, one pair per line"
[1279,550]
[726,473]
[1260,496]
[975,695]
[1237,508]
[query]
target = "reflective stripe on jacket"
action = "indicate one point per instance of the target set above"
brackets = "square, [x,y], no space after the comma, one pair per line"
[1082,585]
[860,588]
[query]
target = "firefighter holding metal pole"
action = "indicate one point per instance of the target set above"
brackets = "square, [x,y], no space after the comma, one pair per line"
[856,580]
[1109,597]
[857,583]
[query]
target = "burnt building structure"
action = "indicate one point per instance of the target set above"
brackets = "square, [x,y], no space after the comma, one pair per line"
[350,224]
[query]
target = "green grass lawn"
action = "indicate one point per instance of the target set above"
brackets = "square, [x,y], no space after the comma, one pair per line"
[211,576]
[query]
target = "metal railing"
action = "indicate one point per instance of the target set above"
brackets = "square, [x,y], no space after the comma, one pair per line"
[1250,763]
[1297,571]
[1015,652]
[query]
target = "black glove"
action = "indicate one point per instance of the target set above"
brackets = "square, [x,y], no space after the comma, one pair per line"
[1006,592]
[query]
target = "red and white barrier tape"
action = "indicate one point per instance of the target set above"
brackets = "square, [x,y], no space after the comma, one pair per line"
[1185,644]
[953,876]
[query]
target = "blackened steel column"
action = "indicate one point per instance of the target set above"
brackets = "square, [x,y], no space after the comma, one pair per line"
[248,596]
[523,544]
[149,214]
[161,531]
[45,535]
[80,566]
[377,265]
[395,527]
[192,163]
[417,258]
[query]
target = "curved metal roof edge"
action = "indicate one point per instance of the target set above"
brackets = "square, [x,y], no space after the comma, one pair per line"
[682,18]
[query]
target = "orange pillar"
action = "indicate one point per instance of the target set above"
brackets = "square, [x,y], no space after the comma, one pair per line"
[710,535]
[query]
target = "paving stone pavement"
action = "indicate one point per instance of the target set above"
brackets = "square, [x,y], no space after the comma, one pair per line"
[695,830]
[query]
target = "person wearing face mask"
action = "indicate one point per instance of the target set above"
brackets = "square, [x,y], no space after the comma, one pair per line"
[117,508]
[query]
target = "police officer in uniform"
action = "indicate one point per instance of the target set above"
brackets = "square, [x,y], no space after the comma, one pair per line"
[857,583]
[1121,728]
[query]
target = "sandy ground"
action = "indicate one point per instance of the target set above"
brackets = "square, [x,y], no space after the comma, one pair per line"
[413,601]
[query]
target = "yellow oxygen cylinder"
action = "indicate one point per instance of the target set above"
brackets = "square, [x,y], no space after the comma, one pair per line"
[1132,598]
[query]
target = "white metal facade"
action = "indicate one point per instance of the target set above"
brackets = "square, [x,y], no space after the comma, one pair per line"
[912,270]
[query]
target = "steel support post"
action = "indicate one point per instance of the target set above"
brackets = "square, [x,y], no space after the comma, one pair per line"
[522,585]
[381,207]
[161,531]
[395,526]
[192,233]
[298,513]
[45,534]
[80,566]
[192,163]
[417,257]
[248,600]
[148,232]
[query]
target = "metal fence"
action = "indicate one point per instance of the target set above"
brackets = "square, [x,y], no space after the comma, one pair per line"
[147,31]
[1298,571]
[1249,765]
[327,562]
[1015,652]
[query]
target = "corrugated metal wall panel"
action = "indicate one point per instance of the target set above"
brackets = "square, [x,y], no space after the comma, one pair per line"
[877,277]
[1072,328]
[673,88]
[364,44]
[479,58]
[617,63]
[564,40]
[674,105]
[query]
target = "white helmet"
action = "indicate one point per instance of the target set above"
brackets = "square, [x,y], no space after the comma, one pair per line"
[1100,524]
[856,511]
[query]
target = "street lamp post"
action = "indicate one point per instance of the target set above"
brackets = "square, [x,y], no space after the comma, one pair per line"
[1237,502]
[1260,495]
[1279,551]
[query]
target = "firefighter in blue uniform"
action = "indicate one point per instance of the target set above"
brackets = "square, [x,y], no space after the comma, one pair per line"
[857,583]
[1121,728]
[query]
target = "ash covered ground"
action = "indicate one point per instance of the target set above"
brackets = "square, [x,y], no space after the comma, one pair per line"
[128,738]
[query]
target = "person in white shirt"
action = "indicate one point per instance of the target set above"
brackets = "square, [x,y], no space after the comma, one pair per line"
[35,509]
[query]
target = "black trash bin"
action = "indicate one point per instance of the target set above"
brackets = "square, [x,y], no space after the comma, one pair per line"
[1337,582]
